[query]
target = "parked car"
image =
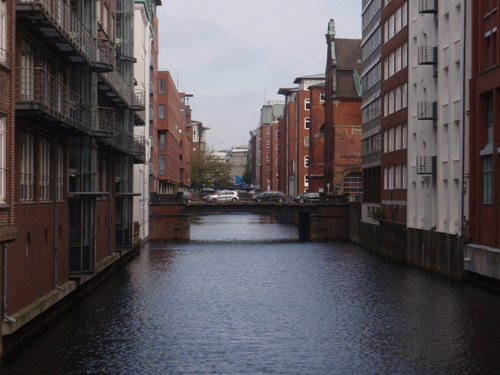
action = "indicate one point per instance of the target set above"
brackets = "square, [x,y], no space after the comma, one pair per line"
[307,197]
[224,196]
[270,196]
[187,197]
[208,197]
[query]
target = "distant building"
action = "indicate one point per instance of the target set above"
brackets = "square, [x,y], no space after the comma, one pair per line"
[237,159]
[343,115]
[266,146]
[296,131]
[316,157]
[171,135]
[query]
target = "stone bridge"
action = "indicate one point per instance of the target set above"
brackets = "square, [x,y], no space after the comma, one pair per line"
[170,217]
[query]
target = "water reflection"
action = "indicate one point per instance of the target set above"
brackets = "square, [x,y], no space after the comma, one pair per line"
[247,297]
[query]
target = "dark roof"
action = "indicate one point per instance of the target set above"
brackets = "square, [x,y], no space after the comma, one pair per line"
[346,85]
[348,53]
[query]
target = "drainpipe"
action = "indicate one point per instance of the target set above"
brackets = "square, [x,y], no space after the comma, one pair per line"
[56,242]
[462,210]
[5,316]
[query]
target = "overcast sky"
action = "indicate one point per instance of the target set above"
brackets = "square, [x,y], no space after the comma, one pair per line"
[234,55]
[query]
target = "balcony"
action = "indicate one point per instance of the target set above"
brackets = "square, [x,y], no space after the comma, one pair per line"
[427,110]
[427,6]
[114,87]
[123,141]
[427,55]
[39,94]
[426,165]
[105,122]
[56,21]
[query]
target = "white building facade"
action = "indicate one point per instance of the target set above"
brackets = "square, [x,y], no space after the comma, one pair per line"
[438,101]
[144,34]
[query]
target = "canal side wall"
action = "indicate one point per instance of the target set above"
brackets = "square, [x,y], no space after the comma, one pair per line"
[438,252]
[37,315]
[169,221]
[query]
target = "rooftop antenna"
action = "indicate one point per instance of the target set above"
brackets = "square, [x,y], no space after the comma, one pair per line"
[265,94]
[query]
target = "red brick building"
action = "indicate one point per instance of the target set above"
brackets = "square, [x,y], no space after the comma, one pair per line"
[316,163]
[485,126]
[8,231]
[267,146]
[394,124]
[67,150]
[287,131]
[171,140]
[342,115]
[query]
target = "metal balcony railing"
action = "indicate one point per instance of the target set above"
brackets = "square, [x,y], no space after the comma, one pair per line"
[38,92]
[427,6]
[134,99]
[105,123]
[125,142]
[427,110]
[427,55]
[138,100]
[426,165]
[56,21]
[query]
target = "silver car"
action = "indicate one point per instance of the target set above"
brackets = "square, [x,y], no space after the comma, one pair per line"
[224,196]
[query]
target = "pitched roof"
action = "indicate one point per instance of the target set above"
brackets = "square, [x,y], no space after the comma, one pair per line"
[348,53]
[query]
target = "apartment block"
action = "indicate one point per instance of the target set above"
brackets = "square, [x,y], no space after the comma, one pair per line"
[371,107]
[438,81]
[170,131]
[267,145]
[70,184]
[145,75]
[394,92]
[483,250]
[315,159]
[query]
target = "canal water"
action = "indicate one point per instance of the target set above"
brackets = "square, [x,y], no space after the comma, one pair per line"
[245,296]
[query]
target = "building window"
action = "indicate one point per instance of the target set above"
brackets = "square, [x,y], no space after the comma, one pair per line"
[306,142]
[26,71]
[161,111]
[322,96]
[161,87]
[3,30]
[307,104]
[487,179]
[268,144]
[27,172]
[306,180]
[162,141]
[268,157]
[2,158]
[306,161]
[353,183]
[162,165]
[307,123]
[397,181]
[44,169]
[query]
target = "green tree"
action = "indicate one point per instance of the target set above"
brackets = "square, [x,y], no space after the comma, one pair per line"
[207,170]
